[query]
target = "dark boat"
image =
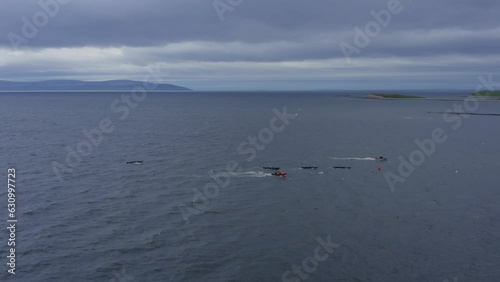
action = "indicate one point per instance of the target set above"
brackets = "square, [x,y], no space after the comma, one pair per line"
[381,159]
[271,167]
[135,162]
[309,167]
[279,173]
[342,167]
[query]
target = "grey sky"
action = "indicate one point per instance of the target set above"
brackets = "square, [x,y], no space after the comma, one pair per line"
[280,44]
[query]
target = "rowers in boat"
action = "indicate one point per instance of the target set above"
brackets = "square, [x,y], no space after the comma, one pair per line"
[342,167]
[279,173]
[271,167]
[135,162]
[309,167]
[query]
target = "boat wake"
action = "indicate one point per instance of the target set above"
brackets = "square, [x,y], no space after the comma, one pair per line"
[249,174]
[244,174]
[355,159]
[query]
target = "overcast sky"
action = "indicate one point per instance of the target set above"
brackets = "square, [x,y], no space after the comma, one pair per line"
[253,44]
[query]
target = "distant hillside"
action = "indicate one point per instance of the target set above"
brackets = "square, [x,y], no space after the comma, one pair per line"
[77,85]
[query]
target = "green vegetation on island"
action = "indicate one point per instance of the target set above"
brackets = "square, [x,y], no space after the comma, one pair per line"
[392,96]
[487,94]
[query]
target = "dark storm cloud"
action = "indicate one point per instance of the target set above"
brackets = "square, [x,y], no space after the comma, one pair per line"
[312,29]
[427,43]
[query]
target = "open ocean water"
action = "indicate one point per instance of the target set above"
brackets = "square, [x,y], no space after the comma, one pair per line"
[111,221]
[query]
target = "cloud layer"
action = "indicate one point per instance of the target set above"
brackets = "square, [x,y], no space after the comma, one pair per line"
[429,44]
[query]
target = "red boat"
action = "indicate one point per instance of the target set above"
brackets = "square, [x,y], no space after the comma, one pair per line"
[279,173]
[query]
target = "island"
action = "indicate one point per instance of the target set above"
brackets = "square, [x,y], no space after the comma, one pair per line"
[78,85]
[487,94]
[391,96]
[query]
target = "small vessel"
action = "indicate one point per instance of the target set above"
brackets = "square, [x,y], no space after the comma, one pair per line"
[279,173]
[135,162]
[309,167]
[342,167]
[381,159]
[271,167]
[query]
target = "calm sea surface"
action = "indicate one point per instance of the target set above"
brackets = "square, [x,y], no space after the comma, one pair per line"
[110,221]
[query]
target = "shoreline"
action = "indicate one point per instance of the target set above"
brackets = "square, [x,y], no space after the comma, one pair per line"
[466,113]
[380,97]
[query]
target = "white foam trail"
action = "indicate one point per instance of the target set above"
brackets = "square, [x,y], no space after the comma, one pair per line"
[355,159]
[249,174]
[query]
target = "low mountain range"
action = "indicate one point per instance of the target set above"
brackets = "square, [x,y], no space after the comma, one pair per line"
[78,85]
